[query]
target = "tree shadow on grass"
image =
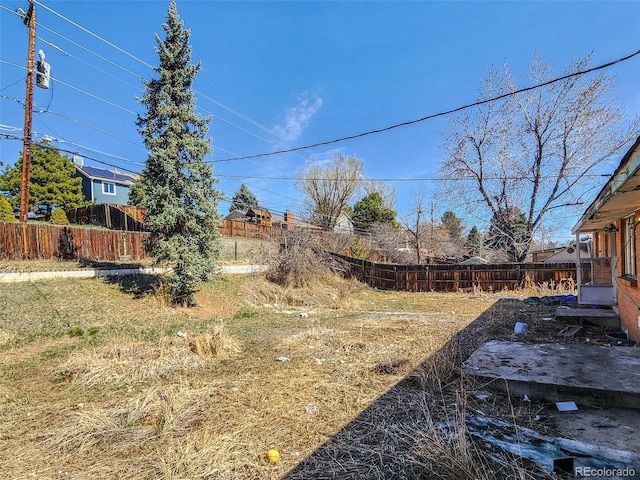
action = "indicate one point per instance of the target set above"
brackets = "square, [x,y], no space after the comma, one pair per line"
[86,263]
[138,285]
[400,435]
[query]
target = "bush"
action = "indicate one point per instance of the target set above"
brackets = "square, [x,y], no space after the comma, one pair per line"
[301,260]
[6,212]
[358,249]
[59,217]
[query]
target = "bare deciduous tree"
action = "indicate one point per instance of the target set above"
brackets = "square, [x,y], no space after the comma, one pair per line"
[536,151]
[328,188]
[388,244]
[386,191]
[416,226]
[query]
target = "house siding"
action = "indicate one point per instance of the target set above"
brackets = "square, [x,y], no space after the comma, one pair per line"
[93,179]
[628,293]
[120,198]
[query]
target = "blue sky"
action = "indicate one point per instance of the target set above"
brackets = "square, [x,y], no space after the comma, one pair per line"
[282,74]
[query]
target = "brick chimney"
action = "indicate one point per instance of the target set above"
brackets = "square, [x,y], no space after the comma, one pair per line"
[289,219]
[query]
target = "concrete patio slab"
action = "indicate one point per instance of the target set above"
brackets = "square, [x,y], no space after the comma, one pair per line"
[595,316]
[589,375]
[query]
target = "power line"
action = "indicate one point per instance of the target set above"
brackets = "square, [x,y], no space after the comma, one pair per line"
[94,96]
[90,126]
[435,115]
[206,97]
[425,179]
[14,83]
[72,152]
[115,64]
[17,100]
[125,52]
[63,52]
[76,88]
[121,50]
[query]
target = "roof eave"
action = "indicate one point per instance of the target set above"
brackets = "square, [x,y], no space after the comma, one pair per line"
[629,168]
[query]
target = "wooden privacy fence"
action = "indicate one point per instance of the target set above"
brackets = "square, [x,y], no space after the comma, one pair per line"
[453,277]
[233,228]
[114,217]
[53,241]
[125,217]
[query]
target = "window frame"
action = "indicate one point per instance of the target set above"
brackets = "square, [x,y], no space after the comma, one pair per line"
[106,190]
[629,251]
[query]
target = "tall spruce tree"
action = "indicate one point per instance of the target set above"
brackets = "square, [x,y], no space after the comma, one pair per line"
[243,199]
[176,186]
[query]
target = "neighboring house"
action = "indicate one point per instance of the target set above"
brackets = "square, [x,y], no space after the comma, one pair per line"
[100,185]
[611,220]
[567,255]
[288,221]
[237,215]
[559,255]
[542,255]
[259,215]
[344,224]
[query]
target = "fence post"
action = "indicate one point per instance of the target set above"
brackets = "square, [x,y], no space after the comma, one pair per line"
[395,277]
[428,279]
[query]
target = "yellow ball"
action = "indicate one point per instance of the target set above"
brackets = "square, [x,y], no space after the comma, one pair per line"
[273,456]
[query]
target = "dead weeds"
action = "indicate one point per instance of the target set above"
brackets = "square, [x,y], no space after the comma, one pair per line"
[344,381]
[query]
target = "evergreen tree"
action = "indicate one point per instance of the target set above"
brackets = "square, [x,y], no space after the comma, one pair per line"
[6,212]
[371,211]
[358,249]
[453,225]
[51,180]
[59,217]
[508,233]
[474,242]
[243,199]
[176,186]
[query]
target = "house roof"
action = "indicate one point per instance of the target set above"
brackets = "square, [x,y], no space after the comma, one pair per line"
[236,215]
[104,174]
[474,261]
[569,251]
[262,211]
[619,198]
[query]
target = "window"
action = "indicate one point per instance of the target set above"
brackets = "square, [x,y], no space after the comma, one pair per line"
[629,247]
[108,188]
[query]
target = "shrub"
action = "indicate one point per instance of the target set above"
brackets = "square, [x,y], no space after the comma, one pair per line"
[301,260]
[358,249]
[59,217]
[6,212]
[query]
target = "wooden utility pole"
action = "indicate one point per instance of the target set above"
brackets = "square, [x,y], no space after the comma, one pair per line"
[30,22]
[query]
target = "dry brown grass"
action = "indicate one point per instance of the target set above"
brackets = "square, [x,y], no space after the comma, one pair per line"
[128,362]
[214,344]
[135,402]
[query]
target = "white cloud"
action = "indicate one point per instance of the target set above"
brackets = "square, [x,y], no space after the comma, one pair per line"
[297,118]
